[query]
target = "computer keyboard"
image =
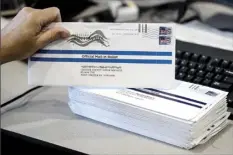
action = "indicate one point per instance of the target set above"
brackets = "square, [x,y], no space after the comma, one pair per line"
[207,66]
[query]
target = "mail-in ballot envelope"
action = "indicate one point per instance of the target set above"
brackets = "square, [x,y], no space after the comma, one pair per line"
[108,55]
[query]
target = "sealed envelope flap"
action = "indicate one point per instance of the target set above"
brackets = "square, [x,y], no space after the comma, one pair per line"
[108,55]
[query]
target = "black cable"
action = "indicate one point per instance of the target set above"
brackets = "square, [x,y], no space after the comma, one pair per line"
[180,7]
[20,96]
[13,143]
[226,29]
[182,10]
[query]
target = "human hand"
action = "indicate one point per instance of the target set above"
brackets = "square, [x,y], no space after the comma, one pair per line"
[29,32]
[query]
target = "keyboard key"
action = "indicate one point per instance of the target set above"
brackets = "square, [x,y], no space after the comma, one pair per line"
[228,72]
[209,75]
[230,99]
[216,62]
[201,73]
[187,55]
[189,78]
[179,54]
[221,85]
[206,82]
[231,66]
[184,63]
[228,79]
[178,61]
[218,77]
[209,68]
[204,59]
[192,65]
[218,70]
[180,76]
[177,69]
[192,71]
[195,57]
[201,66]
[225,64]
[184,69]
[197,80]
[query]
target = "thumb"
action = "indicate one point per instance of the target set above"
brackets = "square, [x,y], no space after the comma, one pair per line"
[52,35]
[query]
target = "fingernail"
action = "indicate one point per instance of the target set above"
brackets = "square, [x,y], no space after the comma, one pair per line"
[65,34]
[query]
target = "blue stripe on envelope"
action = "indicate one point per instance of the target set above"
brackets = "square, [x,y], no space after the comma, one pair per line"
[168,98]
[142,53]
[177,96]
[138,61]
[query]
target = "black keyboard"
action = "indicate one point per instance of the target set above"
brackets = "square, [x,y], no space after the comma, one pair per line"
[206,66]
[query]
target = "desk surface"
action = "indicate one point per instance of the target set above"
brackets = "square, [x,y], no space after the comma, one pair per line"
[48,117]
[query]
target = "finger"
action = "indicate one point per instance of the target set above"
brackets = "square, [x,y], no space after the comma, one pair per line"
[55,14]
[52,35]
[47,16]
[27,10]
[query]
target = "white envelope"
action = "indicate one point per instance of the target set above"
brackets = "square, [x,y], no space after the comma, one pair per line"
[187,102]
[108,55]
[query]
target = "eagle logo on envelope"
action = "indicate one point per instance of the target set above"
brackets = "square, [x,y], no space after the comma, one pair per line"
[84,40]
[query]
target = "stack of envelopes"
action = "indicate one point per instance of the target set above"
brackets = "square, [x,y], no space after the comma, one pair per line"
[185,116]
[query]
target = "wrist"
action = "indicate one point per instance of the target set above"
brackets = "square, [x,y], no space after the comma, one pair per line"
[3,58]
[5,51]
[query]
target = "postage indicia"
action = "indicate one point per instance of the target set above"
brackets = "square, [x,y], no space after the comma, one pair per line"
[108,55]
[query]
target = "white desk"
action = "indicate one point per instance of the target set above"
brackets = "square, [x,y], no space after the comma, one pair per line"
[48,117]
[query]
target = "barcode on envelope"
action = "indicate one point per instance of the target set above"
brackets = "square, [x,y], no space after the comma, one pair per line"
[142,28]
[194,87]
